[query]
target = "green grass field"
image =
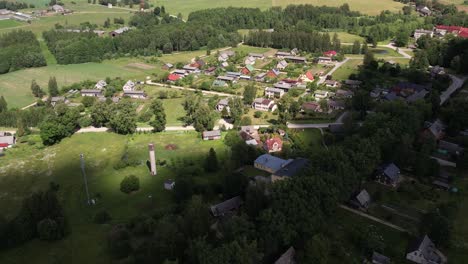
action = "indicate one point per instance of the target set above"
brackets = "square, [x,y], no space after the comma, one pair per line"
[346,37]
[15,86]
[29,168]
[364,6]
[9,23]
[346,69]
[174,111]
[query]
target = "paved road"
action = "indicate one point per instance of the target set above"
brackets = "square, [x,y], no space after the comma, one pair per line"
[375,219]
[457,83]
[190,89]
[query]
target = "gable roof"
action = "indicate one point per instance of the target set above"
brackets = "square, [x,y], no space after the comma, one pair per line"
[378,258]
[173,77]
[292,168]
[214,133]
[271,162]
[287,257]
[226,206]
[250,67]
[391,171]
[363,197]
[270,143]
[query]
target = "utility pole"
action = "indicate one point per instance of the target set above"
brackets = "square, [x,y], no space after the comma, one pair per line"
[84,177]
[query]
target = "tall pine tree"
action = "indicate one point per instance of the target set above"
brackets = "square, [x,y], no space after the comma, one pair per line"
[53,87]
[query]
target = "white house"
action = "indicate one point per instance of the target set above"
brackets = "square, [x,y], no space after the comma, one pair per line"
[320,94]
[129,86]
[91,93]
[421,32]
[324,60]
[274,92]
[223,103]
[282,65]
[331,83]
[100,85]
[135,94]
[263,104]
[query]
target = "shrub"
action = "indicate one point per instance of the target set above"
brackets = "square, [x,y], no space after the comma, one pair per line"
[88,101]
[130,184]
[258,114]
[85,121]
[49,230]
[102,217]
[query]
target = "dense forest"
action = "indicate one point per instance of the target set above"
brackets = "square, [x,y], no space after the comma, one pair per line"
[13,5]
[18,50]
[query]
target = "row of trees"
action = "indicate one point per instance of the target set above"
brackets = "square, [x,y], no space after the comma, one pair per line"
[449,52]
[20,49]
[13,5]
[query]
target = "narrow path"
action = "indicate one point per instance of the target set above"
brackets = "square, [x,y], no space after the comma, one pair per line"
[375,219]
[336,67]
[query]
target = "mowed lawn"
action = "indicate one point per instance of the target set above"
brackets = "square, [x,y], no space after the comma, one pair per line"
[346,69]
[15,86]
[9,23]
[29,168]
[346,37]
[174,111]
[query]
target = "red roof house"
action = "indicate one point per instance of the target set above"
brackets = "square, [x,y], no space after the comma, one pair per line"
[173,77]
[307,77]
[330,53]
[457,30]
[273,73]
[273,145]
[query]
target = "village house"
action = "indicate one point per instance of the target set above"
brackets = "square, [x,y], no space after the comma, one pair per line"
[283,86]
[100,85]
[361,200]
[22,17]
[169,184]
[219,83]
[340,93]
[211,135]
[335,105]
[324,60]
[198,64]
[5,14]
[249,133]
[248,69]
[190,69]
[281,65]
[180,72]
[354,84]
[224,55]
[235,75]
[226,79]
[249,61]
[274,92]
[331,83]
[129,86]
[224,64]
[274,144]
[288,257]
[210,71]
[269,163]
[58,99]
[435,129]
[245,77]
[227,207]
[257,55]
[450,148]
[307,77]
[388,174]
[436,70]
[119,31]
[273,73]
[263,104]
[135,94]
[378,258]
[260,77]
[167,66]
[91,93]
[290,170]
[282,54]
[421,32]
[222,104]
[7,140]
[174,77]
[311,107]
[295,59]
[321,94]
[330,53]
[461,32]
[58,9]
[423,251]
[423,10]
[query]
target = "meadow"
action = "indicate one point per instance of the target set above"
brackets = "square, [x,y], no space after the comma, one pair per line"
[29,168]
[346,69]
[15,86]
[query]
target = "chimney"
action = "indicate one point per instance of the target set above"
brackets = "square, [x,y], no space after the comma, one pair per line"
[152,158]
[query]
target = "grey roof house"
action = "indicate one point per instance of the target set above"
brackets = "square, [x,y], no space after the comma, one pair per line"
[226,207]
[361,200]
[290,169]
[378,258]
[388,174]
[269,163]
[287,257]
[423,251]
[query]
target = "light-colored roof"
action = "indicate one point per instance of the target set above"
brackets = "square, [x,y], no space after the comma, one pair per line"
[214,133]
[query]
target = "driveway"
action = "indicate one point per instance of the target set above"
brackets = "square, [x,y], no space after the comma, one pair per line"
[457,83]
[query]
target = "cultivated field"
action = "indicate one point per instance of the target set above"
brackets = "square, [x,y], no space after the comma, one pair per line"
[30,168]
[364,6]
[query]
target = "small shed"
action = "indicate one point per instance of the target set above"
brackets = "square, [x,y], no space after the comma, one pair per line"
[211,135]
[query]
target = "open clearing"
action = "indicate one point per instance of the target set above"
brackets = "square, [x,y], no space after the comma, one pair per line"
[346,69]
[142,66]
[15,86]
[29,168]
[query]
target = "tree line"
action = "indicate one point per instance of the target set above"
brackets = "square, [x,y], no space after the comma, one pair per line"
[20,49]
[14,6]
